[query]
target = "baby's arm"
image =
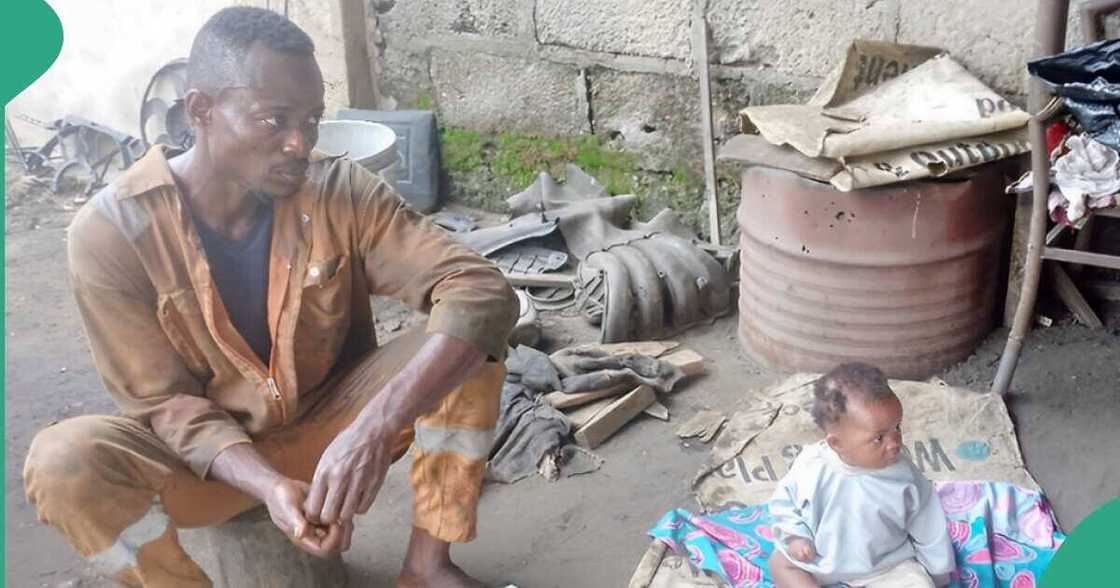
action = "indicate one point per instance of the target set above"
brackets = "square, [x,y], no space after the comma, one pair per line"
[790,528]
[929,533]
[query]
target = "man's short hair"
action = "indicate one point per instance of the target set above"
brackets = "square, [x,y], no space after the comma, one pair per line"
[221,46]
[832,391]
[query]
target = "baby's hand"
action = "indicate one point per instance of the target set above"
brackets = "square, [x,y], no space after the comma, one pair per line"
[802,550]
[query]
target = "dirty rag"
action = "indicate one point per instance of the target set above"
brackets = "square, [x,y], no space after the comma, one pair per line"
[1004,536]
[584,369]
[529,429]
[1087,176]
[1084,175]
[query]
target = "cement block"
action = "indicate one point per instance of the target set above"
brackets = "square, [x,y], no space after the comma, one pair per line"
[250,551]
[805,38]
[405,80]
[992,38]
[496,94]
[492,19]
[655,28]
[656,116]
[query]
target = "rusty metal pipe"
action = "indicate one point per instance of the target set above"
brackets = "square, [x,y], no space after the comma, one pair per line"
[1050,33]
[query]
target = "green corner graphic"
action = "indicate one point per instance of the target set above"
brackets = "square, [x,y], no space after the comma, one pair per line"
[1085,558]
[30,40]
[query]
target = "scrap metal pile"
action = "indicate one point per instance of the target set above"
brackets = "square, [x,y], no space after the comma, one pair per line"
[572,246]
[645,282]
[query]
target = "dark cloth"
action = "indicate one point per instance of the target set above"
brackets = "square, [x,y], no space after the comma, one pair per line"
[240,270]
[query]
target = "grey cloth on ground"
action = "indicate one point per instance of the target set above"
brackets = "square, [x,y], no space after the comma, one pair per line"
[531,435]
[529,429]
[590,369]
[532,368]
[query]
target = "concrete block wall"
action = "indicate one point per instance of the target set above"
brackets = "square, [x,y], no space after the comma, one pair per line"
[622,68]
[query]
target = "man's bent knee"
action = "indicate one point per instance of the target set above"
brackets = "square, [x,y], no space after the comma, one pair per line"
[64,460]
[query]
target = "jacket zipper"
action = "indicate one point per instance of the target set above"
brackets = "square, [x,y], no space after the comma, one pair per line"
[273,388]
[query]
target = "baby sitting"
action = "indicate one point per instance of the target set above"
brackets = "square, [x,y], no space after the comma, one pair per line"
[853,509]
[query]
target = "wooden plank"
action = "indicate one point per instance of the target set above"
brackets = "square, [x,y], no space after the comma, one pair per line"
[1072,298]
[650,348]
[1081,243]
[581,415]
[658,411]
[687,360]
[546,280]
[1020,232]
[361,86]
[700,59]
[561,400]
[614,417]
[1083,257]
[1055,232]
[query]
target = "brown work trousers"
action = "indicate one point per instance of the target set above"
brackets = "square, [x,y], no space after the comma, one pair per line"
[118,494]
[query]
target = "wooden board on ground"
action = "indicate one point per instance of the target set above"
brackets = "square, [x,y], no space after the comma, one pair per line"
[580,416]
[563,400]
[613,417]
[650,348]
[686,360]
[658,411]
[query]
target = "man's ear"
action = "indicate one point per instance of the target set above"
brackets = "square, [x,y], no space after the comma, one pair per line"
[199,107]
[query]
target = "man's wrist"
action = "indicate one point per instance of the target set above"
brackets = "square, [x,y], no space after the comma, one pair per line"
[243,468]
[379,420]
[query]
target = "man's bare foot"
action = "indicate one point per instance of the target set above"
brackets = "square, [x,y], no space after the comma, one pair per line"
[427,564]
[450,576]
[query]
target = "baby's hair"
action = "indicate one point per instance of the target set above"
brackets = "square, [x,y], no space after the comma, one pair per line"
[832,390]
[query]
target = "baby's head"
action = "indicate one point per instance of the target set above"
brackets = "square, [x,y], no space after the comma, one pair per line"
[860,415]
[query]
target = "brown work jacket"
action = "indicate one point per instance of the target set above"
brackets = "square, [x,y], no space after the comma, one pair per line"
[163,342]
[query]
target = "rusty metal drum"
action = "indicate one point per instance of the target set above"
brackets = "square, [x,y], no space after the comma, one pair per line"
[903,277]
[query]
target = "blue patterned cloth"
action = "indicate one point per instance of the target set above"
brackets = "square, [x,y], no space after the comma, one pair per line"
[1004,537]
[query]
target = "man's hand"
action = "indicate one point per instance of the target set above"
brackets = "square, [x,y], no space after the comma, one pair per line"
[350,473]
[802,550]
[285,506]
[351,470]
[243,468]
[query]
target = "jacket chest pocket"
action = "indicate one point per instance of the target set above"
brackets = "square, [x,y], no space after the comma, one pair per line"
[180,316]
[324,316]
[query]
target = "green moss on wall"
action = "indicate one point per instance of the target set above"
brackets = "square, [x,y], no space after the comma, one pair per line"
[485,169]
[461,150]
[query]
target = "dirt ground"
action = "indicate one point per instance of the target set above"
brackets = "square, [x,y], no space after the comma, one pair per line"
[582,531]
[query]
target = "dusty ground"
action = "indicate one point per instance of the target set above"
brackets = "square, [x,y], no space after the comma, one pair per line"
[583,531]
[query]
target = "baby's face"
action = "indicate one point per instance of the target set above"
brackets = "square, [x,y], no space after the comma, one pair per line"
[869,435]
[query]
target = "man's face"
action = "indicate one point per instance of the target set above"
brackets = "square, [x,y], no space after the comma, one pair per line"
[260,137]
